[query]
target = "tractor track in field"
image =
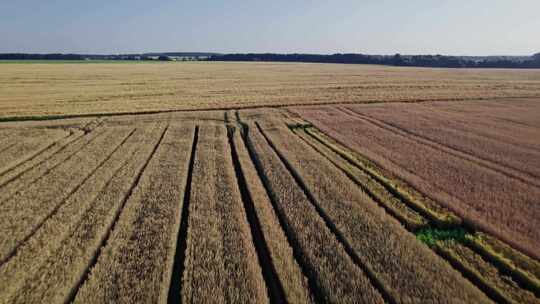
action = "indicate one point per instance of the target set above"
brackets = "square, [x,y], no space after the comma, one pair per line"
[48,170]
[107,183]
[375,282]
[175,288]
[251,107]
[110,227]
[364,188]
[470,274]
[273,284]
[7,147]
[58,206]
[291,239]
[62,147]
[20,162]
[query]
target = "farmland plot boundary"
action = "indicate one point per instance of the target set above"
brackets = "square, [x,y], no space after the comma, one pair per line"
[505,266]
[442,218]
[412,222]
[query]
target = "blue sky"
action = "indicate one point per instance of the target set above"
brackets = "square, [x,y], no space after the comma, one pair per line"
[460,27]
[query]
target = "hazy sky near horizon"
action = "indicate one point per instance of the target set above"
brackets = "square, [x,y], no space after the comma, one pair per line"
[459,27]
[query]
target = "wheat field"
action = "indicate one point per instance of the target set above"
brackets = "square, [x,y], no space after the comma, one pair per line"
[40,90]
[268,183]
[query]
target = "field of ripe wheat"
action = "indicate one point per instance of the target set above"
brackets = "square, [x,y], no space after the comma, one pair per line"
[268,183]
[50,90]
[261,205]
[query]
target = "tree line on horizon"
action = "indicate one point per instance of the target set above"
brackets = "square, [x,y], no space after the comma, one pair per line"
[393,60]
[441,61]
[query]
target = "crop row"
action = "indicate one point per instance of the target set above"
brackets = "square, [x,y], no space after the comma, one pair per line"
[394,205]
[26,145]
[219,242]
[286,282]
[332,273]
[134,263]
[23,213]
[494,281]
[53,261]
[485,199]
[23,177]
[497,284]
[43,158]
[406,269]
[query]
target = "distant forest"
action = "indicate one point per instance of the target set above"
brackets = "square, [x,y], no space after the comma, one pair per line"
[145,56]
[393,60]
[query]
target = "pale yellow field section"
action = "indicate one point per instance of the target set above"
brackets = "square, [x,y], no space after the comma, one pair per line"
[78,89]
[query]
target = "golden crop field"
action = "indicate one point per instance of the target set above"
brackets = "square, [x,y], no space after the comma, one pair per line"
[325,199]
[78,89]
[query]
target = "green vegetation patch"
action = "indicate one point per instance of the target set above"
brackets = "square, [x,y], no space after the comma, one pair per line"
[431,236]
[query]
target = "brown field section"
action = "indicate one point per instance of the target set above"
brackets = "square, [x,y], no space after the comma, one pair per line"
[235,206]
[481,160]
[33,90]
